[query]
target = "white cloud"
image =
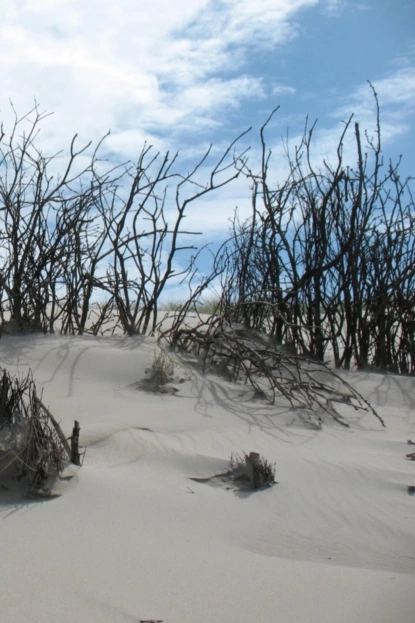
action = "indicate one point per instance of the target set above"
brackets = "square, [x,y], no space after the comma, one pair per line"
[397,108]
[396,99]
[395,93]
[199,105]
[160,71]
[335,7]
[281,89]
[135,66]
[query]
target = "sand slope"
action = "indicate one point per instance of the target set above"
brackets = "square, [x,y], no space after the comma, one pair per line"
[132,537]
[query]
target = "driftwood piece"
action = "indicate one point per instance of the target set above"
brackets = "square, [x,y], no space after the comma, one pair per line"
[252,468]
[75,456]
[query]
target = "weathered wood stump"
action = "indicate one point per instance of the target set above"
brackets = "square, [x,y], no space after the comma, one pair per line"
[252,469]
[75,456]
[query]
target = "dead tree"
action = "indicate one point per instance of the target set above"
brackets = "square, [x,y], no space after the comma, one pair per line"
[146,232]
[66,241]
[325,263]
[43,217]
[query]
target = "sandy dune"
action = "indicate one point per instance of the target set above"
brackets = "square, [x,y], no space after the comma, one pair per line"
[133,538]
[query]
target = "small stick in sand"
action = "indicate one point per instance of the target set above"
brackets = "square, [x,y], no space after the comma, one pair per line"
[75,456]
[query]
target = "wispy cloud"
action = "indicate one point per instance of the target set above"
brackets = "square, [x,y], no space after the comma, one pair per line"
[134,66]
[396,94]
[335,7]
[174,74]
[281,89]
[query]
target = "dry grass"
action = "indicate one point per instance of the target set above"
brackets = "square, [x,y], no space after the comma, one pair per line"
[160,375]
[253,469]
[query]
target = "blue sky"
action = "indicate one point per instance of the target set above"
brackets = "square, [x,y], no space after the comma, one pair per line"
[188,73]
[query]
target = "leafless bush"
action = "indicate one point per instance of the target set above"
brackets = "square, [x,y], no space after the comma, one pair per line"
[160,375]
[326,261]
[162,367]
[46,231]
[30,441]
[325,264]
[66,239]
[251,357]
[253,469]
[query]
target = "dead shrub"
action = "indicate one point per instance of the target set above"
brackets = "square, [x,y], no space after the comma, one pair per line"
[253,469]
[161,372]
[31,446]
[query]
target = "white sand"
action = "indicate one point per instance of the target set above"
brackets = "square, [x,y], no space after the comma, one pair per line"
[132,538]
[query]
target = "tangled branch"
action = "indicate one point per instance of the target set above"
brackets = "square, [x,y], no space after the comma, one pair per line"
[31,440]
[253,357]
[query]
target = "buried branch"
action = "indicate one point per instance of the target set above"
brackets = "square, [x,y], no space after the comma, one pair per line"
[254,358]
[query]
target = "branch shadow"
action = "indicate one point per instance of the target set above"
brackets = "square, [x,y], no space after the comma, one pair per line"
[17,498]
[279,420]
